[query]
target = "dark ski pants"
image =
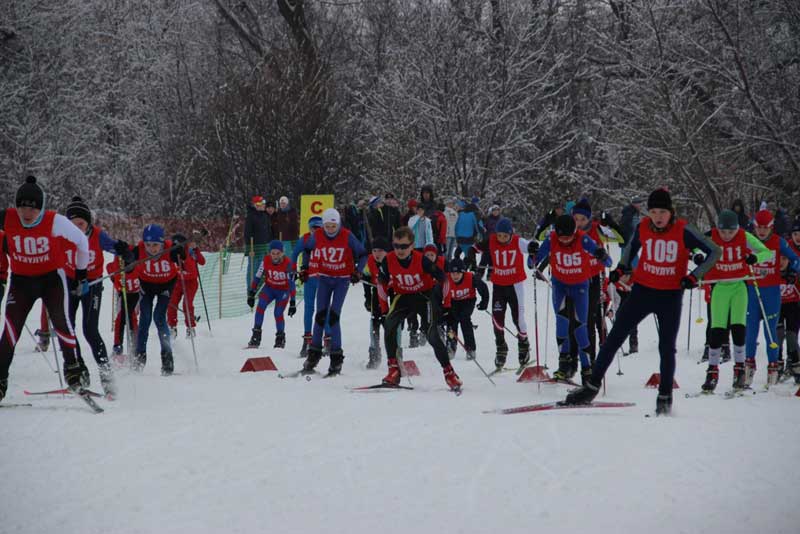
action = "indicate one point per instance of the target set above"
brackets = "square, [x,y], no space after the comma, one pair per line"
[666,305]
[461,315]
[404,305]
[90,307]
[160,295]
[330,298]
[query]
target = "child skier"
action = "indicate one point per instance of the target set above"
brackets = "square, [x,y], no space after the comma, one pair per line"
[789,322]
[413,278]
[570,252]
[459,303]
[767,290]
[380,247]
[740,250]
[34,239]
[188,277]
[659,278]
[276,271]
[340,258]
[131,299]
[309,278]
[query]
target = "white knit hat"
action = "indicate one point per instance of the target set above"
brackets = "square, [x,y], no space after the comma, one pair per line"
[331,215]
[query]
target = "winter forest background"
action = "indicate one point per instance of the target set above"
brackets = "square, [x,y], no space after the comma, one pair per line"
[188,107]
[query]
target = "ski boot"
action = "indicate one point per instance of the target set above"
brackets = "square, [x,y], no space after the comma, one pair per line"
[374,358]
[306,344]
[712,377]
[392,378]
[704,358]
[573,366]
[43,342]
[739,376]
[470,354]
[72,375]
[413,339]
[138,362]
[664,404]
[173,332]
[167,363]
[772,373]
[3,387]
[781,368]
[633,344]
[190,333]
[749,371]
[451,378]
[423,339]
[86,377]
[313,358]
[107,381]
[326,345]
[586,374]
[255,339]
[582,395]
[726,353]
[280,340]
[524,350]
[502,353]
[564,367]
[337,359]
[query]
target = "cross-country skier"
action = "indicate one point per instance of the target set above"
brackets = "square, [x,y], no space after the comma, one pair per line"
[131,298]
[278,287]
[658,283]
[459,303]
[380,247]
[188,277]
[309,277]
[34,239]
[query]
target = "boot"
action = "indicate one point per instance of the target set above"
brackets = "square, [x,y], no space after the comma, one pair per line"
[374,358]
[280,340]
[451,378]
[582,395]
[43,342]
[72,375]
[306,344]
[749,371]
[107,381]
[86,377]
[337,359]
[726,353]
[392,378]
[470,354]
[190,333]
[423,339]
[173,332]
[739,376]
[138,362]
[704,358]
[663,404]
[573,366]
[772,373]
[781,367]
[564,366]
[413,339]
[712,377]
[524,350]
[3,388]
[633,344]
[502,352]
[586,374]
[167,363]
[314,356]
[255,339]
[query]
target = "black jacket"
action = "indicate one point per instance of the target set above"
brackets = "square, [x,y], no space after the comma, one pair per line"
[257,225]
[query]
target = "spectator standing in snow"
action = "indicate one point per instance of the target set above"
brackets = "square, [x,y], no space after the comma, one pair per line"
[451,215]
[421,226]
[287,224]
[257,235]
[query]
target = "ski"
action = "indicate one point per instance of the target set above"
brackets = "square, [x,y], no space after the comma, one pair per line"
[297,374]
[499,370]
[16,405]
[563,381]
[699,394]
[381,386]
[85,396]
[64,391]
[457,390]
[559,406]
[734,393]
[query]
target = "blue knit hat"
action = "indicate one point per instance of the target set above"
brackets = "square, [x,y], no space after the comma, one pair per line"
[276,245]
[503,226]
[315,222]
[582,208]
[373,202]
[153,233]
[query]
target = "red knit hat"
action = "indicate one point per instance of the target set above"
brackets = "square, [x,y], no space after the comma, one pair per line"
[412,203]
[765,219]
[430,247]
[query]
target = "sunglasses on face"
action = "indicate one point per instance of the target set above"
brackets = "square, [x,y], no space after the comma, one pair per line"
[401,246]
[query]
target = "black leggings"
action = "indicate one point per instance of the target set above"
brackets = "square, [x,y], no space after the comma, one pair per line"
[461,315]
[402,307]
[24,291]
[90,305]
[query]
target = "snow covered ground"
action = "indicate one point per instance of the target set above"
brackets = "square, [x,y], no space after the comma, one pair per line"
[220,451]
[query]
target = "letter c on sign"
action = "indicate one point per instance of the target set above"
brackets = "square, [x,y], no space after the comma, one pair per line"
[316,207]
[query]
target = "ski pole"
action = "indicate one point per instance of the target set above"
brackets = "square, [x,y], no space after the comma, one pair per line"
[187,315]
[767,329]
[689,325]
[55,352]
[536,331]
[42,353]
[547,328]
[127,318]
[205,307]
[489,378]
[497,324]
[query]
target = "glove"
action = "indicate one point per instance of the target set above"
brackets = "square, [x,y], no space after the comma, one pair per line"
[355,277]
[178,239]
[533,248]
[689,281]
[177,255]
[121,248]
[251,299]
[447,316]
[483,305]
[303,274]
[698,258]
[615,275]
[751,259]
[790,277]
[600,253]
[292,308]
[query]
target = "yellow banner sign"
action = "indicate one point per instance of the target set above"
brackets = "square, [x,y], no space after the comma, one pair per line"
[313,206]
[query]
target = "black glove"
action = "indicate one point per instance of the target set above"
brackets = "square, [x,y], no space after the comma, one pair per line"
[483,304]
[689,281]
[178,254]
[121,248]
[751,259]
[292,308]
[303,274]
[251,299]
[178,239]
[698,258]
[616,274]
[355,277]
[790,277]
[600,253]
[533,248]
[447,316]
